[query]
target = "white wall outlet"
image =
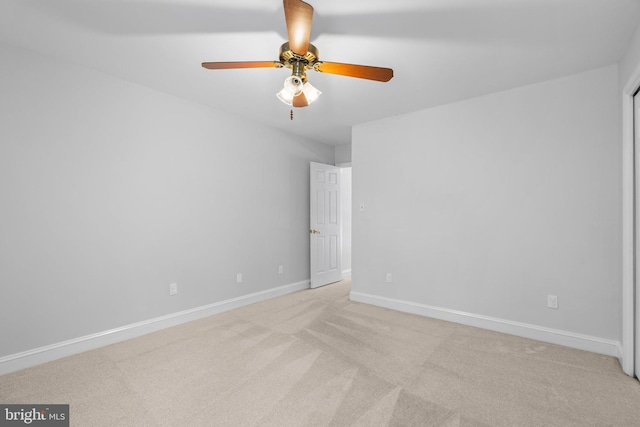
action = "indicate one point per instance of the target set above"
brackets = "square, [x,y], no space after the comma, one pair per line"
[552,301]
[239,278]
[280,269]
[173,288]
[389,278]
[361,207]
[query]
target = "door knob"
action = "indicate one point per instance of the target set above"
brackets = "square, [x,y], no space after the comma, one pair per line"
[314,231]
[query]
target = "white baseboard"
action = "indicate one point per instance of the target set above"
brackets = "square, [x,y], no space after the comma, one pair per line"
[346,273]
[26,359]
[540,333]
[620,354]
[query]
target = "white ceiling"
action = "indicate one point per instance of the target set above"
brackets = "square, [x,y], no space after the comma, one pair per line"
[441,50]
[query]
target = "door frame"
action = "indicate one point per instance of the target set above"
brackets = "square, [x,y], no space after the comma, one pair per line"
[630,176]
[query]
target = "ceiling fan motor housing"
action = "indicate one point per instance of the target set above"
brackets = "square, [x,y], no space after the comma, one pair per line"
[299,64]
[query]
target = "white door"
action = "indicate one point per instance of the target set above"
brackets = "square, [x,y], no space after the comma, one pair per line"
[324,224]
[636,145]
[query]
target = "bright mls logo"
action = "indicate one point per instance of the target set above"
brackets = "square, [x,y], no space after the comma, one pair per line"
[34,415]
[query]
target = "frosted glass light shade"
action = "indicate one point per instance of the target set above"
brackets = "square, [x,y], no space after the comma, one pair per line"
[285,96]
[310,92]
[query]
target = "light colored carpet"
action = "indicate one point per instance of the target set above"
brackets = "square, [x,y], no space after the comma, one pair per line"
[315,358]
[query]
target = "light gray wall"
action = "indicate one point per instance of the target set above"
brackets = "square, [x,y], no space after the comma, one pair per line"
[488,205]
[343,154]
[110,191]
[629,62]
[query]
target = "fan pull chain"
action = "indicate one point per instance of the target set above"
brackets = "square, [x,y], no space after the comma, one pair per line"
[291,114]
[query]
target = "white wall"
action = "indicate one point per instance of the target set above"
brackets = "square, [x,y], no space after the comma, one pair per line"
[345,218]
[110,191]
[486,206]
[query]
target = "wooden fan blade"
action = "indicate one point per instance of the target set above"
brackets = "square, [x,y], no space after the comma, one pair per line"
[360,71]
[248,64]
[300,101]
[298,16]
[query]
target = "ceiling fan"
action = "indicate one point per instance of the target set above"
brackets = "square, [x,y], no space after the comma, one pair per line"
[299,55]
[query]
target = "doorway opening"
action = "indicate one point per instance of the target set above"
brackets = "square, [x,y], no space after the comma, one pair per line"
[630,349]
[345,196]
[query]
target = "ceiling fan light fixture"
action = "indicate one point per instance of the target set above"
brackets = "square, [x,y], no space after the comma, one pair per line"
[287,94]
[294,86]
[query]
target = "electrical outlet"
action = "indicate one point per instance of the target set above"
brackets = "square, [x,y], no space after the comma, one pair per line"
[361,207]
[173,288]
[552,301]
[280,269]
[239,278]
[389,278]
